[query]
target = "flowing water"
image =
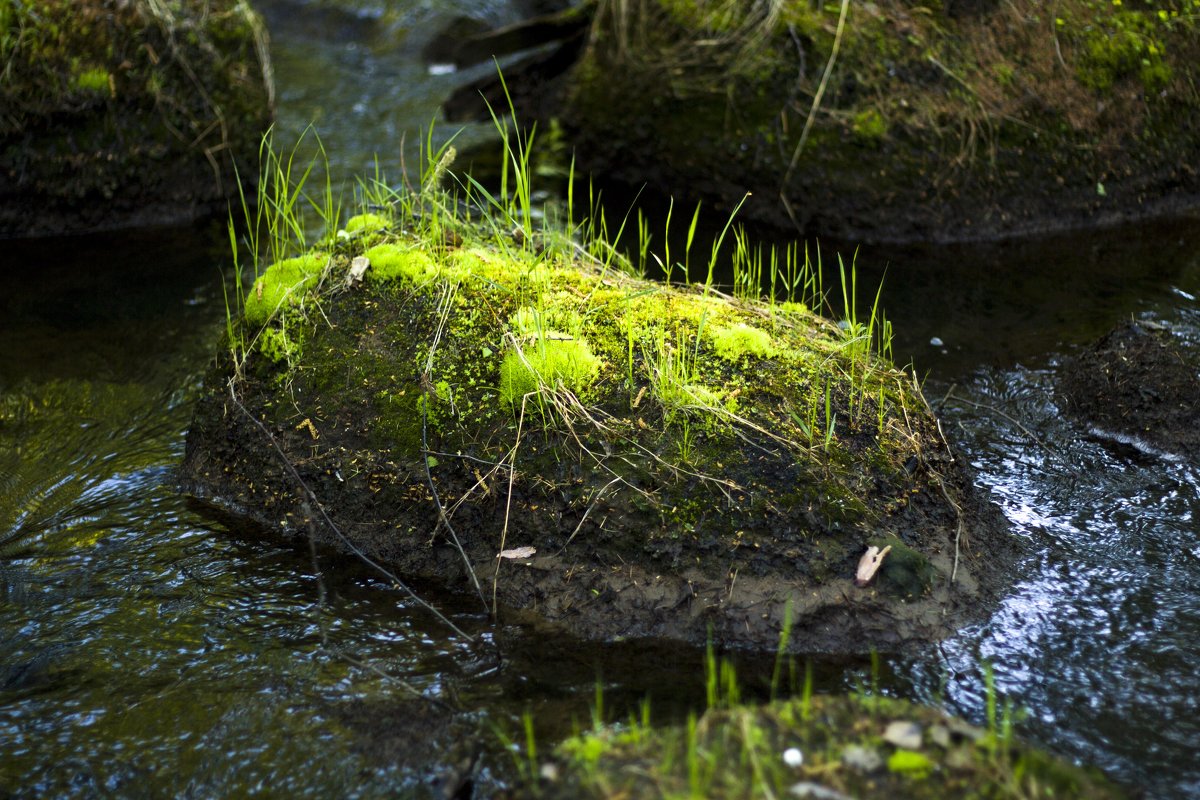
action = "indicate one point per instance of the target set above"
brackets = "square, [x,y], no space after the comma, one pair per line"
[151,648]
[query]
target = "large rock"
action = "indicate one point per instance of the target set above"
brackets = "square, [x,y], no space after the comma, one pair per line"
[614,457]
[121,113]
[939,122]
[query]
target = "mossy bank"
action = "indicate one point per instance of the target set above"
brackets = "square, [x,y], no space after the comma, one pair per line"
[115,114]
[819,747]
[510,415]
[889,121]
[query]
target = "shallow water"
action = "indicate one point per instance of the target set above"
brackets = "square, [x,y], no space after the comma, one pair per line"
[149,647]
[1096,642]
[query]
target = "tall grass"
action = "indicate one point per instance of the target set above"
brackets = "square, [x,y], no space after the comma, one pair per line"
[278,220]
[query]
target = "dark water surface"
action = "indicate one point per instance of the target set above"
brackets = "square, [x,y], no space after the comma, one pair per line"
[148,648]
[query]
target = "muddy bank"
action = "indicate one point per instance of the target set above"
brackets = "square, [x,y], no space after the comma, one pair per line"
[949,122]
[1137,386]
[122,114]
[651,461]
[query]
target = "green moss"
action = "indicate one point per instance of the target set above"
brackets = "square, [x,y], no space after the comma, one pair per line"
[366,229]
[1126,48]
[548,361]
[276,345]
[905,571]
[737,341]
[910,762]
[94,80]
[284,284]
[868,126]
[367,222]
[396,261]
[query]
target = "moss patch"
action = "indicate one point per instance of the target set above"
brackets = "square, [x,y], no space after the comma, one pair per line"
[284,284]
[825,746]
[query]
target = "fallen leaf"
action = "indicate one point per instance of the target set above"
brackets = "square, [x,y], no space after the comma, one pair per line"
[517,552]
[357,268]
[869,564]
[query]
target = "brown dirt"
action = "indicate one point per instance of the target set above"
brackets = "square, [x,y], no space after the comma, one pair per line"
[1140,385]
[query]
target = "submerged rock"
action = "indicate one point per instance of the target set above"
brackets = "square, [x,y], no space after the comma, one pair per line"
[116,114]
[1137,386]
[614,457]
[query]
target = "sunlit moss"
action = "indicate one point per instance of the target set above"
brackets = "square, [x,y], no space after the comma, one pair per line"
[92,80]
[394,261]
[284,283]
[549,361]
[733,342]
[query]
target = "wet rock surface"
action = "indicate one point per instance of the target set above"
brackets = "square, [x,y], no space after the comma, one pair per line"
[1138,386]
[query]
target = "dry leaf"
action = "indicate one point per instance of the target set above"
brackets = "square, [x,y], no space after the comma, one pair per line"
[869,564]
[357,268]
[517,552]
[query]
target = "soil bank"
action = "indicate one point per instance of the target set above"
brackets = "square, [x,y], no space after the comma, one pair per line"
[888,122]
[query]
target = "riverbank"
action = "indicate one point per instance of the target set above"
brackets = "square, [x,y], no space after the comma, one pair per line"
[889,123]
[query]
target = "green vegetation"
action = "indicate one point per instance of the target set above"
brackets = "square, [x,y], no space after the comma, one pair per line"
[100,100]
[879,116]
[862,745]
[93,80]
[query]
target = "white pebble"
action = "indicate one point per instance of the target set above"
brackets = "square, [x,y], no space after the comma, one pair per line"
[793,757]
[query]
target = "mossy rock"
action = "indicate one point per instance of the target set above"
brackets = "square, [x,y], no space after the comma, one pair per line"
[932,123]
[115,114]
[684,464]
[823,747]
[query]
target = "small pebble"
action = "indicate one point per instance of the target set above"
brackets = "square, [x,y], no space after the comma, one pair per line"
[906,735]
[863,759]
[937,342]
[815,791]
[793,757]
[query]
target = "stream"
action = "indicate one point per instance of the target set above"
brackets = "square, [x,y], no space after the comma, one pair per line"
[149,647]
